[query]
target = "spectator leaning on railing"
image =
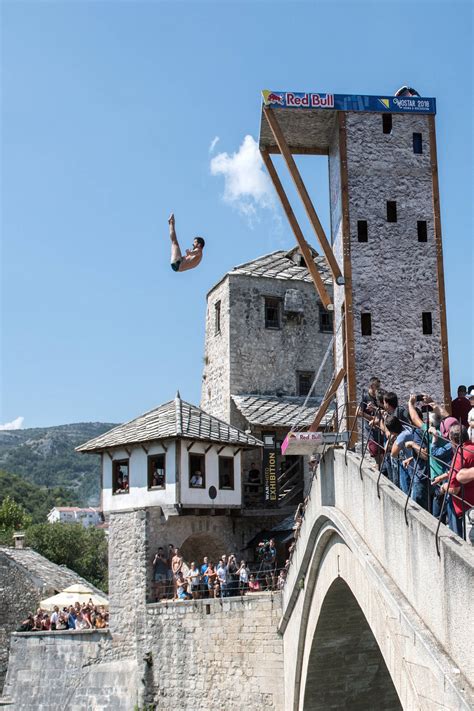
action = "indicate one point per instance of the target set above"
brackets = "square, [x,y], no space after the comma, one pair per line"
[412,471]
[461,491]
[438,448]
[460,406]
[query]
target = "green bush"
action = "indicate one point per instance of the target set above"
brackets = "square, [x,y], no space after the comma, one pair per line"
[84,550]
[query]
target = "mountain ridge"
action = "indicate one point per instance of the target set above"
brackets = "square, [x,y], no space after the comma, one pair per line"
[45,456]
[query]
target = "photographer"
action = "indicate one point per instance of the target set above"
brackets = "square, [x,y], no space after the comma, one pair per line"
[369,410]
[440,449]
[267,554]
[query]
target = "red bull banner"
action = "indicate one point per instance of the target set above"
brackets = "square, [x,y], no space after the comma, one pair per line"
[348,102]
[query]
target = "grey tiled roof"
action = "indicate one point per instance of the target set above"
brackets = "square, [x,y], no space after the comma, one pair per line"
[273,411]
[176,418]
[280,265]
[46,576]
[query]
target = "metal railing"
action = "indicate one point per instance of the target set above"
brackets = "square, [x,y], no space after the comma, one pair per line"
[261,579]
[416,471]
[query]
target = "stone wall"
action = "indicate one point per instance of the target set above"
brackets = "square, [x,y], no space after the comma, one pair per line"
[26,577]
[53,671]
[412,594]
[18,597]
[217,654]
[215,379]
[394,276]
[266,361]
[245,357]
[128,580]
[393,262]
[199,655]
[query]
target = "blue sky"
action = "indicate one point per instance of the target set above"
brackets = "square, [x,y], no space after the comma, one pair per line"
[109,110]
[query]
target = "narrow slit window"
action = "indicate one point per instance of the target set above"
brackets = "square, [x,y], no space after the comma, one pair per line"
[391,211]
[272,313]
[417,143]
[366,324]
[217,318]
[362,231]
[226,473]
[325,320]
[427,323]
[387,123]
[305,381]
[422,231]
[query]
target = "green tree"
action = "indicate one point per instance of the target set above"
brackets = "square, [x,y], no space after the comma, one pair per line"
[12,515]
[36,500]
[84,550]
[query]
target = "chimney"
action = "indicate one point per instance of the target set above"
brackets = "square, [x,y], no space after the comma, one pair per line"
[19,538]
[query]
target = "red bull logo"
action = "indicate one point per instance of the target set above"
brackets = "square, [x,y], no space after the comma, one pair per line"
[297,99]
[273,98]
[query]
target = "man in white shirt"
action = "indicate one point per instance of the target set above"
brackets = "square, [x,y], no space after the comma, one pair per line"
[196,480]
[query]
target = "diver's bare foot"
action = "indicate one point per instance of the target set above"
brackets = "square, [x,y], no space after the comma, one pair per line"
[171,219]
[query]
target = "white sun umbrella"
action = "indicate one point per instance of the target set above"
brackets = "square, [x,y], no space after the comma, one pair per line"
[71,595]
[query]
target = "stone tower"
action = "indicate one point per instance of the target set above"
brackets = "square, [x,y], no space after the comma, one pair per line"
[385,249]
[266,335]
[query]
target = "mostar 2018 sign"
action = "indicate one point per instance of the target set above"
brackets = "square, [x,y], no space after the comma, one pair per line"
[348,102]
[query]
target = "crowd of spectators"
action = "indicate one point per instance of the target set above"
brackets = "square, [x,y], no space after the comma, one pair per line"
[423,449]
[85,616]
[229,577]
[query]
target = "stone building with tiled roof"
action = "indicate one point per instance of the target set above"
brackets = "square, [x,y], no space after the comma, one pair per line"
[174,457]
[267,337]
[26,578]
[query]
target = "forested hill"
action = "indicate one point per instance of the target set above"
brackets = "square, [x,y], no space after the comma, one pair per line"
[46,456]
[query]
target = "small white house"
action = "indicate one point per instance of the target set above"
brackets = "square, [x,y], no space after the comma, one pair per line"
[176,456]
[73,514]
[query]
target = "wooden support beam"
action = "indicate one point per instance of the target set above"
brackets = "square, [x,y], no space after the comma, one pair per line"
[327,401]
[439,264]
[303,193]
[237,451]
[189,447]
[299,150]
[303,245]
[145,449]
[111,456]
[221,448]
[207,449]
[350,356]
[129,451]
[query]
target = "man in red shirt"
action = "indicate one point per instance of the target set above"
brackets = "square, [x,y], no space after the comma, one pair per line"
[461,486]
[461,405]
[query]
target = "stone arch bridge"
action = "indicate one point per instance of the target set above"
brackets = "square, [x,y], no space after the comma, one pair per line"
[372,615]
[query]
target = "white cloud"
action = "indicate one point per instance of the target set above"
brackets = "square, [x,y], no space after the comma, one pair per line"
[214,143]
[247,187]
[13,425]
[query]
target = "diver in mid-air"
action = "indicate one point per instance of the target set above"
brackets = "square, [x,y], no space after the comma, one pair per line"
[192,257]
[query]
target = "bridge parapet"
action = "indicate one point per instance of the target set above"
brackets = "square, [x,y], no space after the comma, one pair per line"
[415,602]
